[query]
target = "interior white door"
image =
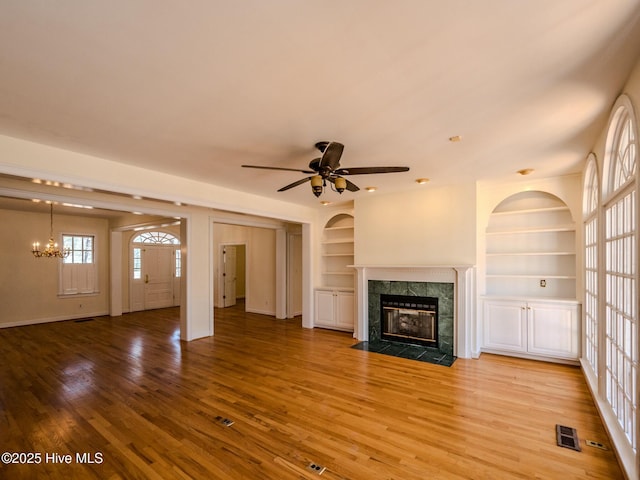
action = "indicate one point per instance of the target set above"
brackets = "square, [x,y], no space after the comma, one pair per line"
[229,277]
[157,265]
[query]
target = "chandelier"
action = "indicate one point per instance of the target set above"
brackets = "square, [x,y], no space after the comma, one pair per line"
[51,250]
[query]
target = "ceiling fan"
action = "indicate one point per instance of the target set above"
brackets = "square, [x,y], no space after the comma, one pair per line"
[328,168]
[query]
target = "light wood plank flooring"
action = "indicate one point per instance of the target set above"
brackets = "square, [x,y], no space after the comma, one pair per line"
[129,389]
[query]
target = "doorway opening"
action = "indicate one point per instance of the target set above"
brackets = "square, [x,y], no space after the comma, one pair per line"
[155,272]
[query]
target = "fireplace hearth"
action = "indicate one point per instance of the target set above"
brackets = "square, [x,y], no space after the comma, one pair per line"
[409,319]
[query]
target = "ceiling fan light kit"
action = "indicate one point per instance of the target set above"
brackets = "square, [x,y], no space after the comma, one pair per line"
[317,185]
[328,168]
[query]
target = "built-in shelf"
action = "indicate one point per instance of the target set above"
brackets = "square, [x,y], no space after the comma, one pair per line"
[331,242]
[338,253]
[541,276]
[535,254]
[549,229]
[346,227]
[531,210]
[530,248]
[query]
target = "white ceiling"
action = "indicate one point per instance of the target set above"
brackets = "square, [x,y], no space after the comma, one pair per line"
[199,88]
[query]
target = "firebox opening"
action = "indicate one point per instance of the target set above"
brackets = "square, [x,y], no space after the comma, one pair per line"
[409,319]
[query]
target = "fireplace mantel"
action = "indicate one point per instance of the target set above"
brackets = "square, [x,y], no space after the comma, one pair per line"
[463,278]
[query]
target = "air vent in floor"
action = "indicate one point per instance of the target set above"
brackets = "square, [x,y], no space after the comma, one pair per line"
[567,437]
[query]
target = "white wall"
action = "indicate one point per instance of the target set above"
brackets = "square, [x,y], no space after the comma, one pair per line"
[430,226]
[29,285]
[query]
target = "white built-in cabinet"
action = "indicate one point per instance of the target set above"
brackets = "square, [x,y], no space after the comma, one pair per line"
[530,306]
[334,309]
[544,328]
[334,299]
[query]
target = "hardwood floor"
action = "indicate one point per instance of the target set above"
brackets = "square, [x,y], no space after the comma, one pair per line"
[143,405]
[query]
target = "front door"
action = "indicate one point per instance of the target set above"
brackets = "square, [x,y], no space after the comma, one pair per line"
[158,276]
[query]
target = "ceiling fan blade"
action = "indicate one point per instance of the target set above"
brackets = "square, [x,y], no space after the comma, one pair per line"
[295,184]
[278,168]
[331,156]
[352,187]
[365,170]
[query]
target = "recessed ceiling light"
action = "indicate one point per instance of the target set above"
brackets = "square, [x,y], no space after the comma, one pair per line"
[455,138]
[325,203]
[525,171]
[370,189]
[136,197]
[421,181]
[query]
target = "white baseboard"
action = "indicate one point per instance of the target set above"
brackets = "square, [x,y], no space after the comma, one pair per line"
[261,312]
[60,318]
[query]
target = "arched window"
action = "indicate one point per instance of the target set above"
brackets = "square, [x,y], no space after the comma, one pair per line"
[590,200]
[620,265]
[157,238]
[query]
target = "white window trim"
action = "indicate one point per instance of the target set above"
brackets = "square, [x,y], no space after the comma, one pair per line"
[62,267]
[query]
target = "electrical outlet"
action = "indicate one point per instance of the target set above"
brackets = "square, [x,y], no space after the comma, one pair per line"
[599,445]
[543,283]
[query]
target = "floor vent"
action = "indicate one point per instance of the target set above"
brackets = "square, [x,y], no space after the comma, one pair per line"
[82,320]
[315,468]
[224,421]
[567,437]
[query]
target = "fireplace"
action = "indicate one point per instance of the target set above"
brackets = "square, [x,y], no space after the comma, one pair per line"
[409,319]
[435,297]
[453,286]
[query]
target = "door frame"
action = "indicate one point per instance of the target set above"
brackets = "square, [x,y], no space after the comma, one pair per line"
[133,283]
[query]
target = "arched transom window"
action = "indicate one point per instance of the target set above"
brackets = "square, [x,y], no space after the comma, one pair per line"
[157,238]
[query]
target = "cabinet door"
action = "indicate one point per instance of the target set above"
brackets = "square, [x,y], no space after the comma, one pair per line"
[553,330]
[325,309]
[505,325]
[344,310]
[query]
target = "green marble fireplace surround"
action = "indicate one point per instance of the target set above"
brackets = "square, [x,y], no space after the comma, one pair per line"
[444,292]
